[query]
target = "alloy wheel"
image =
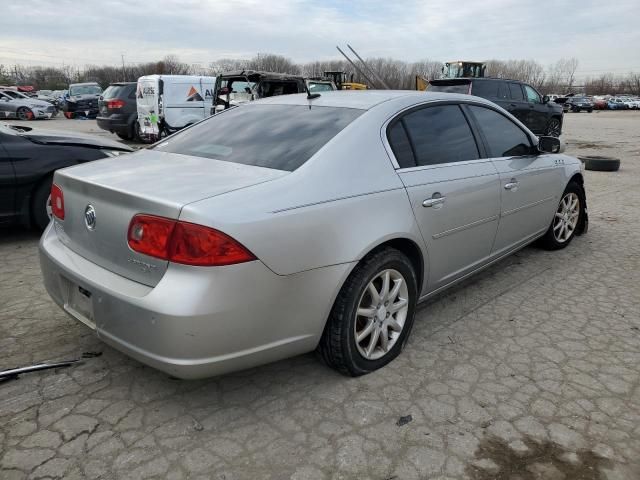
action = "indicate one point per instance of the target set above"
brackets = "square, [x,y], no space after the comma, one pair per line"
[23,113]
[381,314]
[553,129]
[566,218]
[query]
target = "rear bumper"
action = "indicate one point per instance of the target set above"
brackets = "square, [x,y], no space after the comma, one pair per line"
[114,123]
[197,322]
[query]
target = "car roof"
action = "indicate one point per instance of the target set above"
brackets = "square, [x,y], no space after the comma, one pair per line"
[81,84]
[363,99]
[475,79]
[266,75]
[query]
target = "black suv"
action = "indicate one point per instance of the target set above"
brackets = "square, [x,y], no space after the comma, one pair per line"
[578,104]
[82,100]
[521,100]
[117,110]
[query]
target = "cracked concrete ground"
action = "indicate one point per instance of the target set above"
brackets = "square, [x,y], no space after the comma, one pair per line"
[528,370]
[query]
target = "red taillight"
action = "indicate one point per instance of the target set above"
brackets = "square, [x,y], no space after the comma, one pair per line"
[183,242]
[115,104]
[57,202]
[150,235]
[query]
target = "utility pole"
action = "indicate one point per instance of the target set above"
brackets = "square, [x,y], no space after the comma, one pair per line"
[124,75]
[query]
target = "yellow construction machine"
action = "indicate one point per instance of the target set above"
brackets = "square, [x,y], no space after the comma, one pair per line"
[343,82]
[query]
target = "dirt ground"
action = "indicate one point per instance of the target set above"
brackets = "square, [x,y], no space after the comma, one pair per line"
[529,370]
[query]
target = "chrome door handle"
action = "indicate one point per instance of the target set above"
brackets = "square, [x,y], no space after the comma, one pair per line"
[512,185]
[431,202]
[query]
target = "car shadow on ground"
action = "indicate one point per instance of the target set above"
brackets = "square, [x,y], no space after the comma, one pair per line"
[13,234]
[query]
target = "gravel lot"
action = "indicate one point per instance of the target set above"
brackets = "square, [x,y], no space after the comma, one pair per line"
[528,370]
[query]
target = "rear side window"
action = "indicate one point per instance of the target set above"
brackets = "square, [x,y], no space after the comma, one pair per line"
[401,145]
[440,134]
[457,87]
[516,91]
[503,90]
[485,89]
[282,137]
[504,138]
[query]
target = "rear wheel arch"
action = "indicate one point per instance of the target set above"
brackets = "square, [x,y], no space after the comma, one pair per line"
[404,245]
[411,250]
[583,224]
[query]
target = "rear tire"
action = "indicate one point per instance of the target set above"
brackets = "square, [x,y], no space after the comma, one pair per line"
[41,204]
[24,113]
[137,135]
[124,136]
[567,219]
[366,331]
[554,128]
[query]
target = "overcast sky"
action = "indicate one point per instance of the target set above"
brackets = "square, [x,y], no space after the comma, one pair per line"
[603,35]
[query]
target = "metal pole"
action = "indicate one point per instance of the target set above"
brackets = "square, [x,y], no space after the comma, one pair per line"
[356,67]
[369,68]
[14,372]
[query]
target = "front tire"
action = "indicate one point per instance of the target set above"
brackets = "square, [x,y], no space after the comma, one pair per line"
[24,113]
[372,315]
[567,219]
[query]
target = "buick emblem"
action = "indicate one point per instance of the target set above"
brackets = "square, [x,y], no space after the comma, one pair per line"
[90,217]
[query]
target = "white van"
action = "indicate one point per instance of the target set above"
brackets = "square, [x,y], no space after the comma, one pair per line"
[167,103]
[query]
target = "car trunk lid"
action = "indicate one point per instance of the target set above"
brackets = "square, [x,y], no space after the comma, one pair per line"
[149,182]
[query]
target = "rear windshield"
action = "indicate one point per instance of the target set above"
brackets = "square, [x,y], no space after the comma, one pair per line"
[117,91]
[485,89]
[85,90]
[449,88]
[282,137]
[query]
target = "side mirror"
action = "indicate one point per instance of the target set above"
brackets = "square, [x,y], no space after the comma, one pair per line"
[550,145]
[545,99]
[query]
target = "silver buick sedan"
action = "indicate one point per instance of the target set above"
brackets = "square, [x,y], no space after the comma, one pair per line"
[297,223]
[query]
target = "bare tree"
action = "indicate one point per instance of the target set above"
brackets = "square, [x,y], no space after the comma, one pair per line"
[633,83]
[173,66]
[559,77]
[273,63]
[570,67]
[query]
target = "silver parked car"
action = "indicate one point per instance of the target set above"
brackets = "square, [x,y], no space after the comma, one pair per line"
[16,105]
[290,224]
